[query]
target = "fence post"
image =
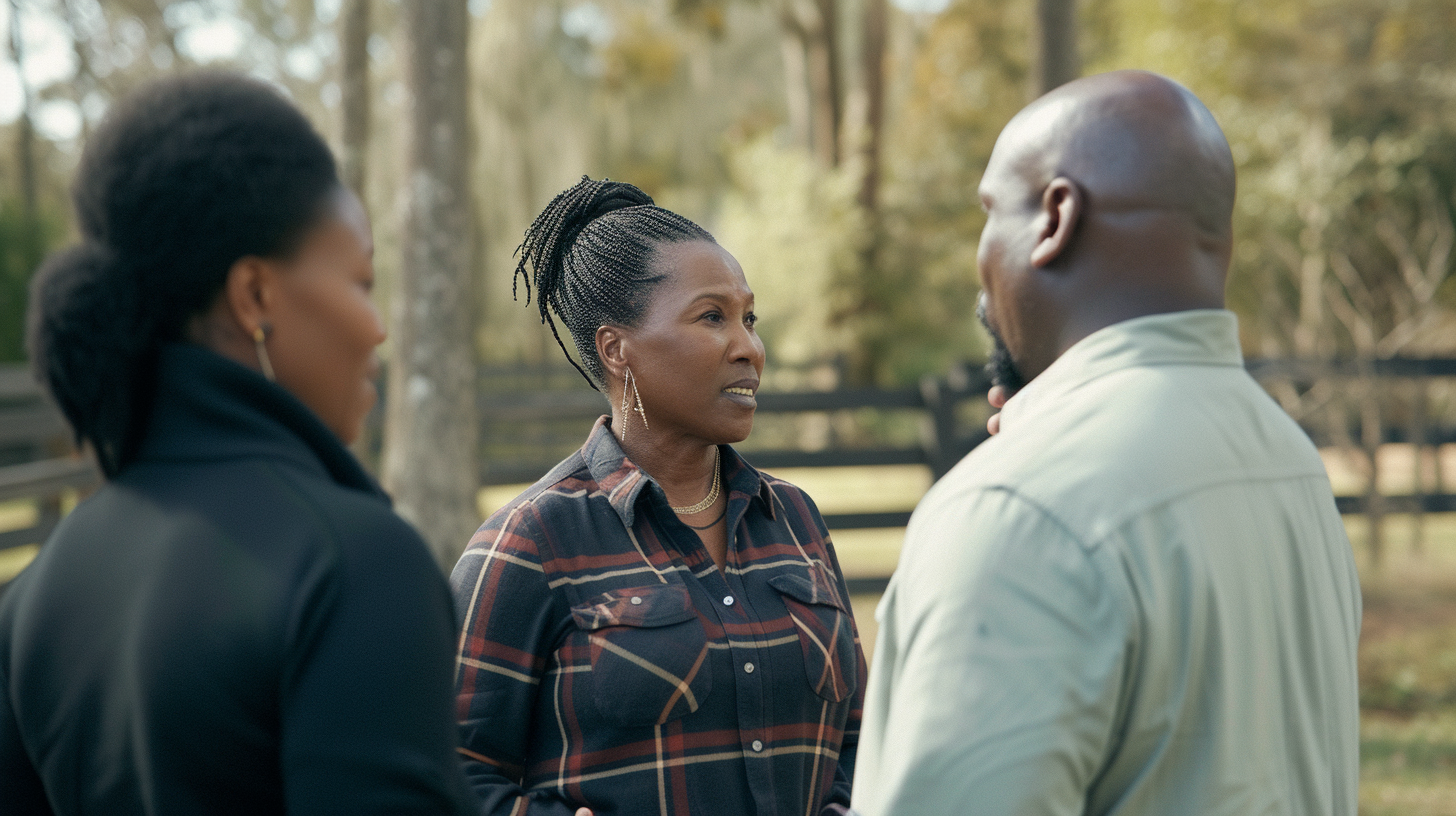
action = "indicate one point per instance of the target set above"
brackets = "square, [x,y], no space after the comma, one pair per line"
[1372,435]
[940,441]
[1418,449]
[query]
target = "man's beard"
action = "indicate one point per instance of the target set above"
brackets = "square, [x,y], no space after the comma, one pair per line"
[1000,367]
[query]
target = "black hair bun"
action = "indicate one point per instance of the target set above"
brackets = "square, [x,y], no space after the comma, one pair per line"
[183,177]
[590,252]
[612,196]
[85,316]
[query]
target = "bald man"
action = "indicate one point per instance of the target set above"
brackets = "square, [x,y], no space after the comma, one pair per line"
[1137,598]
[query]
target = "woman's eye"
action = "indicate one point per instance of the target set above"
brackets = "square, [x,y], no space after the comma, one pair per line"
[713,316]
[751,319]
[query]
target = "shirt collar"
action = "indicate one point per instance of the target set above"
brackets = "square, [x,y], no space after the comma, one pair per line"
[622,481]
[1207,337]
[207,407]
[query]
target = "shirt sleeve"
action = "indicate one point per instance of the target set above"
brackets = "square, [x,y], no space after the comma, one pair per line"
[511,627]
[366,720]
[1002,653]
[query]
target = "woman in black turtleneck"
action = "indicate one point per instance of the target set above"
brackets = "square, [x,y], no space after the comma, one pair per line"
[236,622]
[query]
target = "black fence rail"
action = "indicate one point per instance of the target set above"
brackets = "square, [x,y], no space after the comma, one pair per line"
[1305,374]
[530,423]
[532,418]
[36,462]
[1309,371]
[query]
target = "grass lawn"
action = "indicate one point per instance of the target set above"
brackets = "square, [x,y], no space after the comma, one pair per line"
[1408,764]
[16,515]
[1408,669]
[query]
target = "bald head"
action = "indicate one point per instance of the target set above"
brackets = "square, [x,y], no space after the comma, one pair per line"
[1109,198]
[1132,140]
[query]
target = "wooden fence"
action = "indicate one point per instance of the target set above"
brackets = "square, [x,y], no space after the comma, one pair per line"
[531,419]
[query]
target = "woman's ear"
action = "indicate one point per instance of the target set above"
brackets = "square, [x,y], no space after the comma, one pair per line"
[242,307]
[612,351]
[248,292]
[1061,209]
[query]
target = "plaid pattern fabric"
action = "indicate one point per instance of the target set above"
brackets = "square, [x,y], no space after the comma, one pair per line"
[606,662]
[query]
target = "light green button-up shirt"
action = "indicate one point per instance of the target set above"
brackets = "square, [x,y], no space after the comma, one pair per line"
[1137,599]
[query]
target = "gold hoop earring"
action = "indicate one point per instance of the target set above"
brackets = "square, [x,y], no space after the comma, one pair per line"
[627,408]
[260,335]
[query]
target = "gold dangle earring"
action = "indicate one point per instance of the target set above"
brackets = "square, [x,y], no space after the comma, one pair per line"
[260,334]
[627,407]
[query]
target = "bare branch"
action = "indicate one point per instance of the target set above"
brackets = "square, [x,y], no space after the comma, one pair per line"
[1287,252]
[1403,333]
[1438,260]
[1357,293]
[1405,256]
[1355,322]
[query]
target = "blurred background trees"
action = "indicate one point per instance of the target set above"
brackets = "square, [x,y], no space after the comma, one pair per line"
[833,145]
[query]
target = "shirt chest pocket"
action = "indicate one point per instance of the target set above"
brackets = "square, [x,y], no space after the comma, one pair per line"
[649,653]
[826,632]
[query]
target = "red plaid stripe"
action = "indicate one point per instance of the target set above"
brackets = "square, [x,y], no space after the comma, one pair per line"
[601,665]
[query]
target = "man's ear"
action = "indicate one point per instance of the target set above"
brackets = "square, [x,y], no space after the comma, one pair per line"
[612,351]
[248,291]
[1061,209]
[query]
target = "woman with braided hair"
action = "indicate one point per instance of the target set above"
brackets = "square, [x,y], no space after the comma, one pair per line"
[655,626]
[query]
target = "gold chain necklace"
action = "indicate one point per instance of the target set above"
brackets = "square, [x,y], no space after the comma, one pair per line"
[712,491]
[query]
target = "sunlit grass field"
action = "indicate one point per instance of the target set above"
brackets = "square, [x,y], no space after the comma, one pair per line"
[1408,640]
[1408,670]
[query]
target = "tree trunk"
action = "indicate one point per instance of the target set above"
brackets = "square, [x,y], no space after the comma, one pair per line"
[1371,436]
[873,65]
[1418,425]
[354,83]
[431,430]
[824,84]
[24,130]
[796,88]
[85,80]
[1057,62]
[814,24]
[1314,214]
[354,30]
[866,138]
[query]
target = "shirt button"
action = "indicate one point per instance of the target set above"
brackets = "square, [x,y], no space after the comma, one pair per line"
[727,600]
[748,667]
[757,746]
[637,601]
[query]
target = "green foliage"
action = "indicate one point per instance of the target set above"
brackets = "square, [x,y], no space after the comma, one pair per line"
[1341,114]
[1410,673]
[661,96]
[910,305]
[22,247]
[795,230]
[1342,118]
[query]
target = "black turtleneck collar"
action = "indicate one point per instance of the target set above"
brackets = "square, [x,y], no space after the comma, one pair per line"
[208,407]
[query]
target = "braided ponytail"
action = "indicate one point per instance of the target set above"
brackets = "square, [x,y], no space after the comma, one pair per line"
[591,251]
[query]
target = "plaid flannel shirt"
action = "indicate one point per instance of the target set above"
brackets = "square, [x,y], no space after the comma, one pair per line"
[606,662]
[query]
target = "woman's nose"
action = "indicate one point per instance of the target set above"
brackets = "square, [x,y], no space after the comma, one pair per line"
[748,346]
